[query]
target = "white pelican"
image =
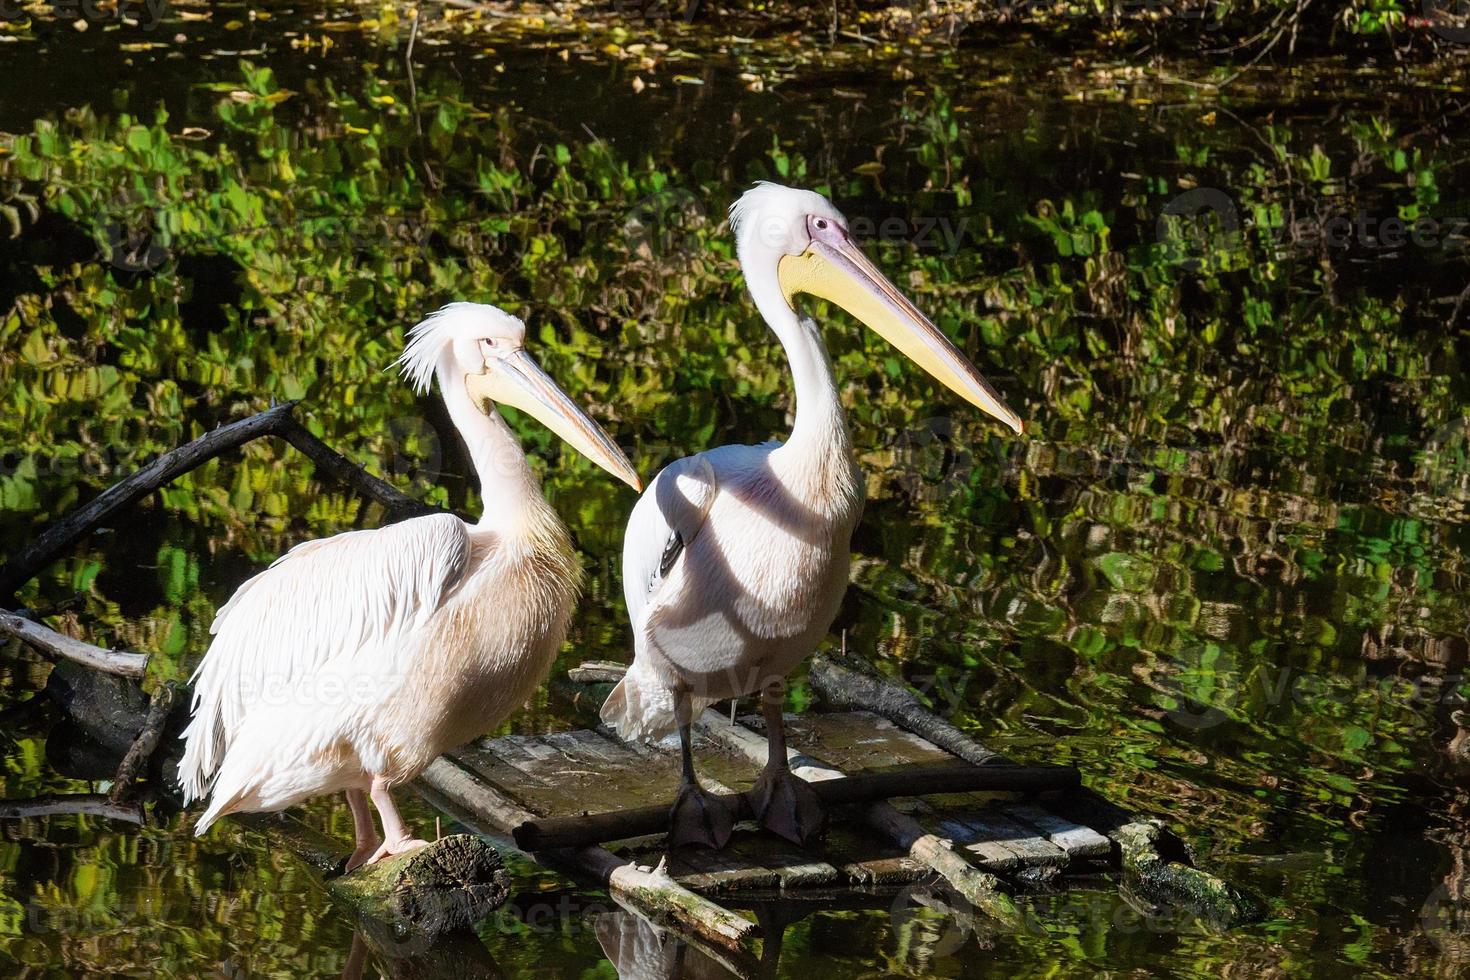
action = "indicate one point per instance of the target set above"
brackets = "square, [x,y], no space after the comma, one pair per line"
[735,560]
[354,660]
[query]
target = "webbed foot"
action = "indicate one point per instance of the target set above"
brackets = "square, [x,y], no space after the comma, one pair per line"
[700,819]
[788,806]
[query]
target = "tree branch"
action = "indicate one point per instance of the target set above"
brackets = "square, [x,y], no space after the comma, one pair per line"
[71,528]
[47,641]
[147,741]
[60,804]
[276,421]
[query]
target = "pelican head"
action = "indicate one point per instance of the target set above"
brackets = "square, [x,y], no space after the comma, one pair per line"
[481,349]
[800,237]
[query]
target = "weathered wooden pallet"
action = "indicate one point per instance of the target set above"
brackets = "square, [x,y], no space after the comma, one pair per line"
[569,773]
[586,802]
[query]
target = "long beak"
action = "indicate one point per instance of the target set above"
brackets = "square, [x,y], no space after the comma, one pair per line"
[518,381]
[842,274]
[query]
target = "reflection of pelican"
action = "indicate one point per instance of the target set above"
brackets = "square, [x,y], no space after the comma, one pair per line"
[736,559]
[353,661]
[639,950]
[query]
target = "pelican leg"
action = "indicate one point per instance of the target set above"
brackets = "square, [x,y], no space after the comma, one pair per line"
[697,818]
[783,803]
[395,833]
[365,834]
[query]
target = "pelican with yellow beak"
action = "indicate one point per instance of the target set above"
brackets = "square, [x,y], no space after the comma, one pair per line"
[735,560]
[352,661]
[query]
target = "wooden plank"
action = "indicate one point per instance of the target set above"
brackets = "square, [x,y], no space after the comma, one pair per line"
[490,760]
[792,868]
[567,773]
[884,872]
[980,888]
[719,771]
[998,842]
[463,787]
[857,740]
[717,872]
[484,763]
[990,854]
[991,829]
[1077,841]
[653,894]
[845,683]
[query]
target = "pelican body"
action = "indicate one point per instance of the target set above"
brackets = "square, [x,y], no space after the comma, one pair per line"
[736,559]
[353,661]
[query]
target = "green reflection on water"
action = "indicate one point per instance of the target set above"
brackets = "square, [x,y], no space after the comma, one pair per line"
[1222,574]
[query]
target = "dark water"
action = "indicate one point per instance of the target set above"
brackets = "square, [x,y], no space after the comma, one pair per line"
[1222,573]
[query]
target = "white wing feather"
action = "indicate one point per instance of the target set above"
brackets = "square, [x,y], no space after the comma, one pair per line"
[664,526]
[676,503]
[322,600]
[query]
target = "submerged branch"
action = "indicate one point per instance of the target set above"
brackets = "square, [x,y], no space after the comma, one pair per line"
[65,804]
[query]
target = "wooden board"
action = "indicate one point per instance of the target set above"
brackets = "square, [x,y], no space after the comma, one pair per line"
[578,772]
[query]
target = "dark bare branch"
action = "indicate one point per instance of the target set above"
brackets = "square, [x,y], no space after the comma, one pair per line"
[146,743]
[276,421]
[73,527]
[331,463]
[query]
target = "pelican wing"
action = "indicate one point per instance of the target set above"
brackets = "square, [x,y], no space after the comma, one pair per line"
[675,602]
[350,595]
[664,523]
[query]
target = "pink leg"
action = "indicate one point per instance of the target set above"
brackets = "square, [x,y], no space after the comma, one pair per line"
[365,834]
[395,834]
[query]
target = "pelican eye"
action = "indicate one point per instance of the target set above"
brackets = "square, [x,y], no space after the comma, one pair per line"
[822,223]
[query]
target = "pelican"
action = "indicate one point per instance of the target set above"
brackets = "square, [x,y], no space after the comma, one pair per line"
[352,661]
[735,559]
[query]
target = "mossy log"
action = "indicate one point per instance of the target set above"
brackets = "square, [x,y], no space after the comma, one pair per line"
[445,887]
[1155,877]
